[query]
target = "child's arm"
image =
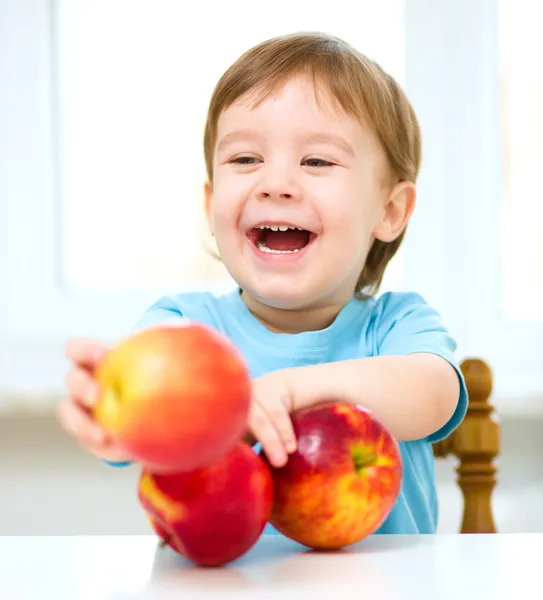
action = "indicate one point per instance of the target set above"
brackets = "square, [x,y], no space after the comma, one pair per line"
[413,395]
[411,381]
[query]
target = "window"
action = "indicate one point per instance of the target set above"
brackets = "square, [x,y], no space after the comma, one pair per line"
[99,129]
[522,158]
[102,169]
[494,275]
[131,118]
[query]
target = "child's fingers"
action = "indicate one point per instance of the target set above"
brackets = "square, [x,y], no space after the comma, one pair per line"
[82,387]
[283,424]
[265,432]
[271,402]
[79,423]
[85,352]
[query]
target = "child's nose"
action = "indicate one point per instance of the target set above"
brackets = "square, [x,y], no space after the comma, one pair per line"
[278,184]
[285,195]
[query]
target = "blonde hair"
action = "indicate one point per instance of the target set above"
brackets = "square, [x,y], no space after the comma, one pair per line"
[360,87]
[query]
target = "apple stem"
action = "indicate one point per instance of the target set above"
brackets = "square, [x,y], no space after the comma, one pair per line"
[164,542]
[362,460]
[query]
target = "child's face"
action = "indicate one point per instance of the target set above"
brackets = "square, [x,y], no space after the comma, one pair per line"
[289,163]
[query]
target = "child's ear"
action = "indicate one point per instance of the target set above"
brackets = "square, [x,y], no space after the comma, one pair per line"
[208,195]
[396,212]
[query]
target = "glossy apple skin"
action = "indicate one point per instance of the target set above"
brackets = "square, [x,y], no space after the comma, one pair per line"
[214,515]
[174,398]
[322,499]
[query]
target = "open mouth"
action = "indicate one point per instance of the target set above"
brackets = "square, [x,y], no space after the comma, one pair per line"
[280,239]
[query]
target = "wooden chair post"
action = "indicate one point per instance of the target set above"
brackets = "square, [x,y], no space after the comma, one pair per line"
[476,443]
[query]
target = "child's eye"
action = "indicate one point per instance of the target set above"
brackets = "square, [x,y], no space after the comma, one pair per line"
[244,160]
[318,162]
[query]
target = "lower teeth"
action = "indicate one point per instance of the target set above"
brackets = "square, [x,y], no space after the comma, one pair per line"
[263,248]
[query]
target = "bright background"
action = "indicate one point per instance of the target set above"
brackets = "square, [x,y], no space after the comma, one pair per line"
[102,105]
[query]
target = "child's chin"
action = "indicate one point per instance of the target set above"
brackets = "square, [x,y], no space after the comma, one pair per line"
[287,298]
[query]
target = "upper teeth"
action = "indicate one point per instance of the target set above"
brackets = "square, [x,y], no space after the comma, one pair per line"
[278,227]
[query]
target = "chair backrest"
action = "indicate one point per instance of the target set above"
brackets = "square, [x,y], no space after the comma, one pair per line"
[476,444]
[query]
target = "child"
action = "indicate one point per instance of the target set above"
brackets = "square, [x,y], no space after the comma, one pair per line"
[312,155]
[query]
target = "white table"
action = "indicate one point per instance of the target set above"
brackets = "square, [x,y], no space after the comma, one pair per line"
[440,567]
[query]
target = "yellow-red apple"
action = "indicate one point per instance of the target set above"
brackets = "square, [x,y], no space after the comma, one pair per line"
[213,515]
[175,398]
[342,481]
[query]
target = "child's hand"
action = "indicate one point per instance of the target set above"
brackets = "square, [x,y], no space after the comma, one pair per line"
[75,413]
[269,417]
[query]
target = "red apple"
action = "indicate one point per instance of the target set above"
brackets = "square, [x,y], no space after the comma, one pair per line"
[176,398]
[213,515]
[342,481]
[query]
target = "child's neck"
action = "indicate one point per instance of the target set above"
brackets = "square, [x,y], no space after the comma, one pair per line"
[279,320]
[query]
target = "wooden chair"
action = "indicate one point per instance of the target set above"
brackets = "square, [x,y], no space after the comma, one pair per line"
[476,444]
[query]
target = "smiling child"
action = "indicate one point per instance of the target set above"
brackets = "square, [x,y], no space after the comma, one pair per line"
[312,155]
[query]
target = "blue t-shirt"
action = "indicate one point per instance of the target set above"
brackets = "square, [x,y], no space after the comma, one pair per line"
[396,323]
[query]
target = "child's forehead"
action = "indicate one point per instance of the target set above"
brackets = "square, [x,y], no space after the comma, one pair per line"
[297,85]
[298,98]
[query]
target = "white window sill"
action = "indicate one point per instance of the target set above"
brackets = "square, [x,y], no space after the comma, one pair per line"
[43,402]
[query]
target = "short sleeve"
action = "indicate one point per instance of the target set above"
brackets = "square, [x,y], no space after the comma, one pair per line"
[406,324]
[163,311]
